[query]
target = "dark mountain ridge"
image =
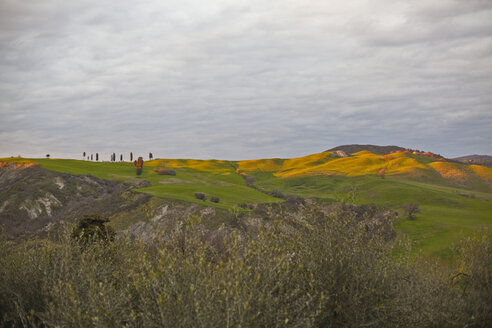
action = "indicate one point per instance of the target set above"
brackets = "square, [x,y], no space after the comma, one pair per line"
[485,160]
[351,149]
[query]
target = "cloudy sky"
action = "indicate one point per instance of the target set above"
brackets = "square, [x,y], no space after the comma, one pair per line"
[243,79]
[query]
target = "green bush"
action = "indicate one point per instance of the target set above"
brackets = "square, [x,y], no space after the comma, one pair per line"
[200,196]
[93,228]
[311,269]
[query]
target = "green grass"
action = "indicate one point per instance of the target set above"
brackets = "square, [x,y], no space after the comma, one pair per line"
[217,179]
[229,187]
[447,213]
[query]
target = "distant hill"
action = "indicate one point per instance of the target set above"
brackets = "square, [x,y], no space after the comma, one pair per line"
[475,159]
[351,149]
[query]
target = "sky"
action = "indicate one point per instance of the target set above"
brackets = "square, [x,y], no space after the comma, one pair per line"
[243,79]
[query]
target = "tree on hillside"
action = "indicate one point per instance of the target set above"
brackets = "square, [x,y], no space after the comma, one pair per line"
[47,156]
[151,156]
[121,157]
[91,157]
[139,165]
[131,157]
[92,228]
[411,209]
[83,155]
[97,156]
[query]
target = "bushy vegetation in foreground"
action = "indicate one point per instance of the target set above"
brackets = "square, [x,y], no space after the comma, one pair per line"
[308,270]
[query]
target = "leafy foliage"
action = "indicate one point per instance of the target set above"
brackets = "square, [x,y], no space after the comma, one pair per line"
[200,196]
[93,228]
[308,270]
[411,209]
[161,171]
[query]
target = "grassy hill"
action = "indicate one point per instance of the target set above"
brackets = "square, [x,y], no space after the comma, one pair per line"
[351,149]
[214,178]
[475,159]
[454,198]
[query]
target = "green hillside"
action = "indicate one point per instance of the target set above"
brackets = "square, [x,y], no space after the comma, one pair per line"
[213,178]
[454,199]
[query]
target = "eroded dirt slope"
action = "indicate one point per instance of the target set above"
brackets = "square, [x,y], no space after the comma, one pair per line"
[33,199]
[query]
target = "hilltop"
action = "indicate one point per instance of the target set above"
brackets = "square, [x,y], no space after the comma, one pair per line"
[475,159]
[355,148]
[403,164]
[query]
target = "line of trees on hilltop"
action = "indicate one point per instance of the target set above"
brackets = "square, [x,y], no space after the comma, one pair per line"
[90,157]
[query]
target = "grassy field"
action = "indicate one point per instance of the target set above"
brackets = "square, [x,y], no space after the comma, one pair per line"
[447,214]
[214,178]
[454,199]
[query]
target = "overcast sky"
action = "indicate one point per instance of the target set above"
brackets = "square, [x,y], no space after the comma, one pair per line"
[243,79]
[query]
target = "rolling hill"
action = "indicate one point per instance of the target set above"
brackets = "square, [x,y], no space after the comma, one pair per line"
[475,160]
[355,148]
[454,198]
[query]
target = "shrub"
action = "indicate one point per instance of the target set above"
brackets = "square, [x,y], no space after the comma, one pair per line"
[295,200]
[411,209]
[201,196]
[249,181]
[473,279]
[164,172]
[93,228]
[277,193]
[304,269]
[214,199]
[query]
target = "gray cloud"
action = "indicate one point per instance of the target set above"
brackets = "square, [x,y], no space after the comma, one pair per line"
[244,79]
